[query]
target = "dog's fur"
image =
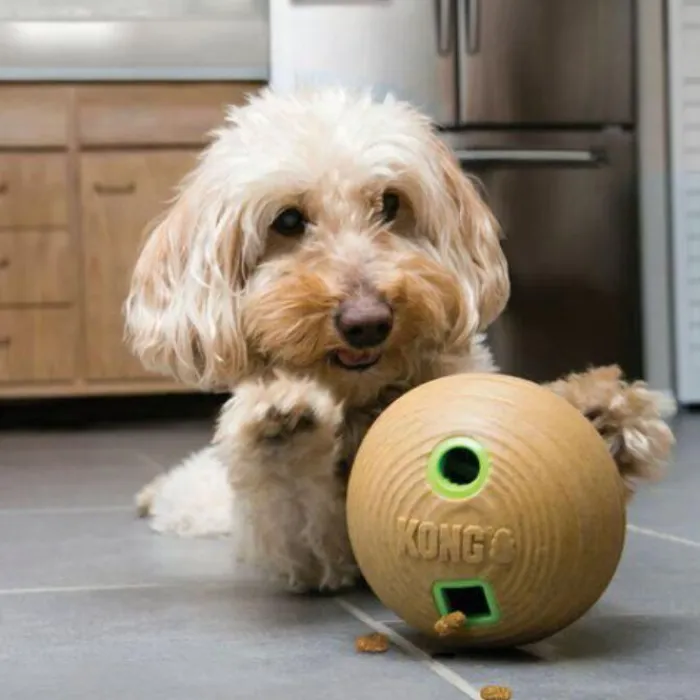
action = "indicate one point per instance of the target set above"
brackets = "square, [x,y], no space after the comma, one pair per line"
[221,299]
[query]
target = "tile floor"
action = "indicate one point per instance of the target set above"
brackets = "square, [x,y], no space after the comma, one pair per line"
[93,606]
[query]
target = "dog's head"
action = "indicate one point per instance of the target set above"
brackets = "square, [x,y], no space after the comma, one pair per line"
[328,234]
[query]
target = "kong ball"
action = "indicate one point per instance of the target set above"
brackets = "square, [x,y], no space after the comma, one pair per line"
[491,496]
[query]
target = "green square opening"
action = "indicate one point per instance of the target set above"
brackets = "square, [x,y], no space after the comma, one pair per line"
[474,597]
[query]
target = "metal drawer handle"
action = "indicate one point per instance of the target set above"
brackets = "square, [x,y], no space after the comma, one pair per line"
[543,156]
[4,187]
[5,342]
[4,263]
[129,188]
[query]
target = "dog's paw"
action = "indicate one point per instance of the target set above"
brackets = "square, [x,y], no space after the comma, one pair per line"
[629,416]
[321,577]
[145,497]
[284,415]
[339,577]
[281,424]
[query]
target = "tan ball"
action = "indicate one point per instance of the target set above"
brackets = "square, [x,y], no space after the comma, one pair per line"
[489,495]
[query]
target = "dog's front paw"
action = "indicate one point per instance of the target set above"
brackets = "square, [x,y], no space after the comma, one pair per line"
[290,417]
[279,424]
[629,416]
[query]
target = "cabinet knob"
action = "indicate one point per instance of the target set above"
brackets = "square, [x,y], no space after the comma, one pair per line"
[4,187]
[5,341]
[128,188]
[4,263]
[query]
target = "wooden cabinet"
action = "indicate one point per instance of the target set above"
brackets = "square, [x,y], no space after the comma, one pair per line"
[121,193]
[33,189]
[34,116]
[38,345]
[147,115]
[38,267]
[84,170]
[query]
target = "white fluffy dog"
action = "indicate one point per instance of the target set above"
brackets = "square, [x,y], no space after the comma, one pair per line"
[326,255]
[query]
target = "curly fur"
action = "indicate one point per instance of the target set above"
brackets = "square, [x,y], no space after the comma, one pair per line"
[220,299]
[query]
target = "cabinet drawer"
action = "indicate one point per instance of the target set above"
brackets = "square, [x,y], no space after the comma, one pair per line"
[37,267]
[37,345]
[33,190]
[34,115]
[154,114]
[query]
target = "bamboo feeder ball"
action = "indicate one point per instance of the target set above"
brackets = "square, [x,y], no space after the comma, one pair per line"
[491,496]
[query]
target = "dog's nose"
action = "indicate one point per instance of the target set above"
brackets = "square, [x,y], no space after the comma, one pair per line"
[364,322]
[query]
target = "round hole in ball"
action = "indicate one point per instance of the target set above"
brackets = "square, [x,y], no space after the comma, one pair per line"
[460,466]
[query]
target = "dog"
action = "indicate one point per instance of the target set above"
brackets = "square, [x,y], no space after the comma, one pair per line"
[325,255]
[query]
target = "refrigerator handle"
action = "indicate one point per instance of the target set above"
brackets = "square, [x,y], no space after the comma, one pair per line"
[496,156]
[473,26]
[444,21]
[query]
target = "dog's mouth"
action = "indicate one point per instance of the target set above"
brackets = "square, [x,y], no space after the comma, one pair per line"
[356,360]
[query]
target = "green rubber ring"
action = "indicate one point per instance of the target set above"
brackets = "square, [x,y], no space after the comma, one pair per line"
[441,484]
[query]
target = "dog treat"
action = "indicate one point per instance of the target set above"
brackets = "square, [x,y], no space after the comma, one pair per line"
[496,692]
[450,623]
[372,643]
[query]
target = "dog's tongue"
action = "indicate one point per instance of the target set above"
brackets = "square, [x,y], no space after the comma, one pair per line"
[355,358]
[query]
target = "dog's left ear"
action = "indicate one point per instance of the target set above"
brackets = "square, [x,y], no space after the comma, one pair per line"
[182,308]
[471,239]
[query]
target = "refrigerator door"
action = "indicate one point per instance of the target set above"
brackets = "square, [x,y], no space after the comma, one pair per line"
[403,47]
[566,202]
[546,62]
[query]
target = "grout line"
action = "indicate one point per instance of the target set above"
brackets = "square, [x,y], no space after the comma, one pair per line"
[82,589]
[390,621]
[439,669]
[106,588]
[664,536]
[78,510]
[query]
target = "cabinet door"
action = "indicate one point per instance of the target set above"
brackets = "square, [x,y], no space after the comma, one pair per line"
[37,345]
[121,195]
[33,190]
[37,267]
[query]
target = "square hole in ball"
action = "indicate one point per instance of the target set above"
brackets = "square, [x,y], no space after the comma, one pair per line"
[474,598]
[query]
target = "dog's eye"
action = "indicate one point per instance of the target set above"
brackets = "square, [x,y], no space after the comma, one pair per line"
[390,206]
[290,222]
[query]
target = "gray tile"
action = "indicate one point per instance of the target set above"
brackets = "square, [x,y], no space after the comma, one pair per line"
[366,601]
[90,468]
[672,504]
[80,484]
[102,548]
[206,644]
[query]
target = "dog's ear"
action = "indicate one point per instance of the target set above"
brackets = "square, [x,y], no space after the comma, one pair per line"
[471,239]
[182,307]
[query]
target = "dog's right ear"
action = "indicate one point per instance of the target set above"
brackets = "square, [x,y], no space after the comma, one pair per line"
[182,307]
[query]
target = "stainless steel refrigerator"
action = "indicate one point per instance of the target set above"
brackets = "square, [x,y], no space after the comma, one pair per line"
[536,97]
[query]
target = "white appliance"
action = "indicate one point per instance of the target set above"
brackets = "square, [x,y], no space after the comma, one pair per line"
[366,43]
